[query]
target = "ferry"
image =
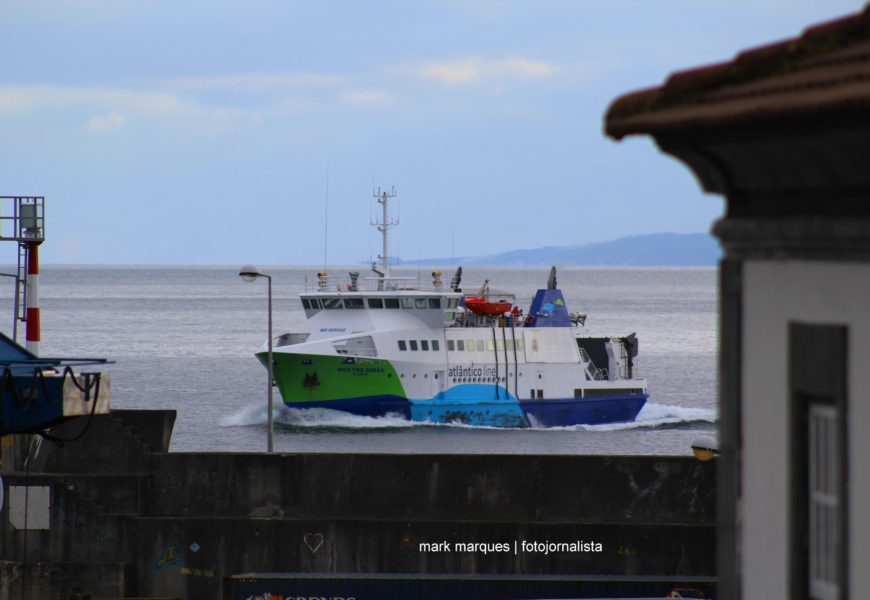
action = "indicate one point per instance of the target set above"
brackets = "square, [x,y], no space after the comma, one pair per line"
[431,353]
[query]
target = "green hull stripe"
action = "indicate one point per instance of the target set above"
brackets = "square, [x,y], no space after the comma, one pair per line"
[313,378]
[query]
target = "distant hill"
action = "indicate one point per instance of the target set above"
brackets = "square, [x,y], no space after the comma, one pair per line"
[659,249]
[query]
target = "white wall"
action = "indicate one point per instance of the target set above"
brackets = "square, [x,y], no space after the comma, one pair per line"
[774,293]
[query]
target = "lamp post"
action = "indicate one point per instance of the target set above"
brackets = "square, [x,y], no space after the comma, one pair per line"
[250,273]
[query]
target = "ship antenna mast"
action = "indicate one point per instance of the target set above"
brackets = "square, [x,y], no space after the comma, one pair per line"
[385,224]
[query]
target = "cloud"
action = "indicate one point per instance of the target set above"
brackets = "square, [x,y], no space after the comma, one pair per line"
[116,105]
[110,123]
[32,97]
[257,82]
[367,97]
[472,70]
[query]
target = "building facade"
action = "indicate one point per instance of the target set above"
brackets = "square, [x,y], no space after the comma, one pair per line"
[783,133]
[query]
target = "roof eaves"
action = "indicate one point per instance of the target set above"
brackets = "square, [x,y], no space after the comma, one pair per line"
[628,113]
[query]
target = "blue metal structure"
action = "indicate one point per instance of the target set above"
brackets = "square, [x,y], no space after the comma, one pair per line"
[40,392]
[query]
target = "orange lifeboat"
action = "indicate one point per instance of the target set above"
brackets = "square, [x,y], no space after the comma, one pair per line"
[489,302]
[485,306]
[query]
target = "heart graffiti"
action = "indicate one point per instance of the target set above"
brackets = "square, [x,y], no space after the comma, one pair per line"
[313,540]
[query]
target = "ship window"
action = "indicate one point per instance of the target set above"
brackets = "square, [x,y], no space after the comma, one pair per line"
[450,346]
[391,303]
[413,345]
[460,345]
[289,339]
[449,315]
[424,345]
[452,302]
[489,345]
[353,303]
[402,345]
[434,302]
[420,302]
[332,303]
[480,345]
[499,344]
[519,344]
[315,303]
[470,345]
[435,345]
[578,393]
[376,302]
[305,303]
[407,303]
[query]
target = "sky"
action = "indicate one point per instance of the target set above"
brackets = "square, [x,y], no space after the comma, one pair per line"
[166,132]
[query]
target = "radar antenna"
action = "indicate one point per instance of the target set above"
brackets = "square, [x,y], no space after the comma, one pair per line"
[384,226]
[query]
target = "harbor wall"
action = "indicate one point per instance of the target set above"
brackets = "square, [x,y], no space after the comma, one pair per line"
[176,524]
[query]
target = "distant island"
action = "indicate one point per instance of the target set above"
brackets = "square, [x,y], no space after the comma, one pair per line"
[659,249]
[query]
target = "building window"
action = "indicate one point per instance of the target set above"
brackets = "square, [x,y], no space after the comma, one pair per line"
[818,359]
[824,500]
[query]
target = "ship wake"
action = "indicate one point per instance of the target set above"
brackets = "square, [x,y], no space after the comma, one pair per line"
[652,416]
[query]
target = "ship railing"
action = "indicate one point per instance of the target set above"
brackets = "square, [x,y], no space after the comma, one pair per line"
[594,372]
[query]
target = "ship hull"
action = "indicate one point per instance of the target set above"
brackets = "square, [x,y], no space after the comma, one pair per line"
[371,387]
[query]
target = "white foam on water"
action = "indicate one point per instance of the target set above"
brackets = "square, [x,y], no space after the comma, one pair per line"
[258,414]
[325,417]
[655,415]
[255,414]
[652,415]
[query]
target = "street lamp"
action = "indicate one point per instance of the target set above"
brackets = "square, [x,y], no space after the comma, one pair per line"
[251,273]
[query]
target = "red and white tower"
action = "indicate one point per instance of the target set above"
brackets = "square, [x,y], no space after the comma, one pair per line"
[26,215]
[32,297]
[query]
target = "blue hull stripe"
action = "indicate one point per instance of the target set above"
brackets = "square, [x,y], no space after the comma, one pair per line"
[501,412]
[584,411]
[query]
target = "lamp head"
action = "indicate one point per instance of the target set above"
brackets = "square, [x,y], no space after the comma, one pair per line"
[705,447]
[250,272]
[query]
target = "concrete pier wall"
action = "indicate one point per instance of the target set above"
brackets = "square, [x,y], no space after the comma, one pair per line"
[177,523]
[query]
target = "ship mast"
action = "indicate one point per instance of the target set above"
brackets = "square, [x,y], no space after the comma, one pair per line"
[384,226]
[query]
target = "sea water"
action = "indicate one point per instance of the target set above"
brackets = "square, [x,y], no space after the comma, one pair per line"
[184,337]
